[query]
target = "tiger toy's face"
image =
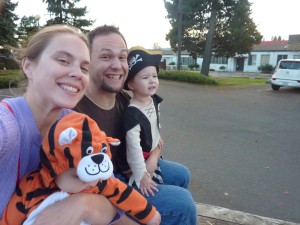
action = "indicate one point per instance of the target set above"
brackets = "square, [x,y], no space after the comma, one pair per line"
[75,141]
[95,166]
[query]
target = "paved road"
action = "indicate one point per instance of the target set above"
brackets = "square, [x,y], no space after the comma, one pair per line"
[240,143]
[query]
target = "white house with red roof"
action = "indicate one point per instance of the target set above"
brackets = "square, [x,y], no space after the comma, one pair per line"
[267,52]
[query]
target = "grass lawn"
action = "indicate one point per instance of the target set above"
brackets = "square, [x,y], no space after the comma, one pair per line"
[11,77]
[231,81]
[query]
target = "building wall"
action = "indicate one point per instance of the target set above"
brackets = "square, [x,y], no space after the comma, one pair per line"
[267,52]
[232,62]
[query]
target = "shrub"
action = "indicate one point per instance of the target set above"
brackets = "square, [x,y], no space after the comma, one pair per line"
[193,66]
[172,63]
[222,67]
[6,82]
[2,65]
[266,68]
[187,76]
[12,65]
[10,78]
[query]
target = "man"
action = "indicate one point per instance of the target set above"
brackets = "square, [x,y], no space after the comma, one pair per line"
[105,102]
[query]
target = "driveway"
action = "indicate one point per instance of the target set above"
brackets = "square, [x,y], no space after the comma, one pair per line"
[240,143]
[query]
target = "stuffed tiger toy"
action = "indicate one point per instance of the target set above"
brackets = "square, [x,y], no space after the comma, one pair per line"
[75,141]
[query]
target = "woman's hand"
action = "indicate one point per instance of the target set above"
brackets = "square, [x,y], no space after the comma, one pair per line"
[92,208]
[147,185]
[68,181]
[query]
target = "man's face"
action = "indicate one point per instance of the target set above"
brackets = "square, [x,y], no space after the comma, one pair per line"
[109,67]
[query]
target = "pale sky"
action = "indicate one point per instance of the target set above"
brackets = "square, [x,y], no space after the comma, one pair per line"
[143,22]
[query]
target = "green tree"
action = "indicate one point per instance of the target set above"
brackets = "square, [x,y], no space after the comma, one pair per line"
[28,26]
[66,12]
[8,27]
[219,27]
[275,38]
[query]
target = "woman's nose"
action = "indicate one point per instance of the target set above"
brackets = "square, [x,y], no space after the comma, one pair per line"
[76,71]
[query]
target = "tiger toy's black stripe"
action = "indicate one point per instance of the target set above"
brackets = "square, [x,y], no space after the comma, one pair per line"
[51,138]
[86,137]
[69,157]
[143,214]
[125,194]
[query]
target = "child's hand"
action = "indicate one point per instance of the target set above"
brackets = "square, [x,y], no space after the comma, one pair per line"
[155,220]
[151,165]
[161,143]
[147,185]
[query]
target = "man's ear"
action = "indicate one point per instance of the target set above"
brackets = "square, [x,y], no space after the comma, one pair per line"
[26,66]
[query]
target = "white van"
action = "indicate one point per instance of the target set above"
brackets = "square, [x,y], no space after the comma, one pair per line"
[287,74]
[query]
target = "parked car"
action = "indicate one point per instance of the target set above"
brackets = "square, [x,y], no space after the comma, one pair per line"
[287,74]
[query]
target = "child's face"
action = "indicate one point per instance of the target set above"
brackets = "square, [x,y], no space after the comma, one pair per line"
[69,182]
[145,83]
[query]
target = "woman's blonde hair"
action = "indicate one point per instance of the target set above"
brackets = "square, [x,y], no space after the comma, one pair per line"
[40,40]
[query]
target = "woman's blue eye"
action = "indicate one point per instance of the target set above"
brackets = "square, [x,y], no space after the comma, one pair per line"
[62,60]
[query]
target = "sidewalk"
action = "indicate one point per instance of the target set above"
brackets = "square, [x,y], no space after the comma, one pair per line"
[239,74]
[214,215]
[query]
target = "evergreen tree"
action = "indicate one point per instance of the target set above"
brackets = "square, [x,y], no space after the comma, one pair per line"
[221,27]
[8,27]
[28,26]
[66,12]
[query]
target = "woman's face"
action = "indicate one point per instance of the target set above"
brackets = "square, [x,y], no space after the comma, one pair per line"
[60,76]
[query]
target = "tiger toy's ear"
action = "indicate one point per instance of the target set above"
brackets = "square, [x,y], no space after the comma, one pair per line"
[67,136]
[113,141]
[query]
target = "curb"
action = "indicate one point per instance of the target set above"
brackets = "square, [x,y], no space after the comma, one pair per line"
[236,217]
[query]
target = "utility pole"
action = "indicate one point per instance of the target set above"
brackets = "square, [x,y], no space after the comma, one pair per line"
[180,3]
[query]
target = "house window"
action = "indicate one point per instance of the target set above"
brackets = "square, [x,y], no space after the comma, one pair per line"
[252,60]
[168,59]
[296,56]
[187,60]
[279,57]
[219,60]
[265,59]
